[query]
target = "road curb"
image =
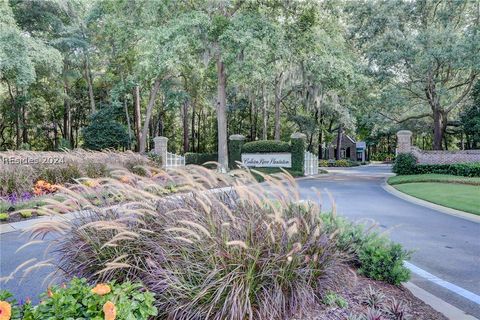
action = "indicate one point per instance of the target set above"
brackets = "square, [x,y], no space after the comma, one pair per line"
[453,212]
[445,308]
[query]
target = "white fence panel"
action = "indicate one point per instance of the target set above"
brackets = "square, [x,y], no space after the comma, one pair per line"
[311,164]
[174,160]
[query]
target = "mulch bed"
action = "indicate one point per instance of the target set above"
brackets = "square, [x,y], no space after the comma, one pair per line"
[351,287]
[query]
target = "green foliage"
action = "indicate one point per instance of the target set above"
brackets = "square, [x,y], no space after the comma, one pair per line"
[405,163]
[334,300]
[77,301]
[457,169]
[104,132]
[382,156]
[235,152]
[200,158]
[265,146]
[26,214]
[60,174]
[340,163]
[4,216]
[433,177]
[384,262]
[298,154]
[375,256]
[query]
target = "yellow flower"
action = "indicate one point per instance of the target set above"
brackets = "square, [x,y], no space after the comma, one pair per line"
[101,289]
[109,310]
[6,310]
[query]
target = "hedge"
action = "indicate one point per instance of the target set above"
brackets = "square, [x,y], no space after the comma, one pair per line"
[457,169]
[266,146]
[406,164]
[200,158]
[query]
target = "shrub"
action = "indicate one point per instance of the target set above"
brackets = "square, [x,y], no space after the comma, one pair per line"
[238,254]
[339,163]
[200,158]
[4,216]
[208,255]
[384,262]
[26,214]
[458,169]
[104,131]
[323,163]
[376,256]
[266,146]
[382,156]
[18,177]
[80,301]
[405,163]
[298,152]
[60,174]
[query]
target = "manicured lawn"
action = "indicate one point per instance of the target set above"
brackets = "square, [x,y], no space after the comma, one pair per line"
[444,178]
[453,195]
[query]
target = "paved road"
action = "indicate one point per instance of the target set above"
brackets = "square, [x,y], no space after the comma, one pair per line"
[445,246]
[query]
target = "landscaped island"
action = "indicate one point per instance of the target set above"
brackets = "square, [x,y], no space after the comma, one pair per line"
[455,186]
[250,251]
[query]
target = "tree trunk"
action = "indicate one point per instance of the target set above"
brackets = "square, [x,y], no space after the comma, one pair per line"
[24,123]
[339,143]
[264,114]
[89,78]
[186,146]
[193,125]
[137,116]
[437,130]
[222,115]
[278,99]
[150,105]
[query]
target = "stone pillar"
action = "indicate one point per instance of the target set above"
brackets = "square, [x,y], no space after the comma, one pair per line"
[235,150]
[404,141]
[161,148]
[297,141]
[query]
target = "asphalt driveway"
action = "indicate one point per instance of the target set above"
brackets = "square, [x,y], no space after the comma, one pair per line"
[445,246]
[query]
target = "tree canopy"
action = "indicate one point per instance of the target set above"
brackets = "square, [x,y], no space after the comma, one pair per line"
[197,71]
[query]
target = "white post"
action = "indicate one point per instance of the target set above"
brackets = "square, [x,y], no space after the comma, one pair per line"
[160,148]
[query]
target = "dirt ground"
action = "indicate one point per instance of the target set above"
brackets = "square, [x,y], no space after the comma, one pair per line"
[352,288]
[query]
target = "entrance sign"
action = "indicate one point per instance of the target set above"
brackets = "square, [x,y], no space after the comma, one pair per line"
[266,160]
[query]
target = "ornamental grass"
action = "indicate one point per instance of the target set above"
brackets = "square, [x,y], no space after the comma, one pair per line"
[247,251]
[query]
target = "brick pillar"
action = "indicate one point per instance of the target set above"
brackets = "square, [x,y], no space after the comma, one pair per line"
[404,141]
[161,148]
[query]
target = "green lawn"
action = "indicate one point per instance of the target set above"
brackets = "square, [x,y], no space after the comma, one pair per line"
[453,195]
[444,178]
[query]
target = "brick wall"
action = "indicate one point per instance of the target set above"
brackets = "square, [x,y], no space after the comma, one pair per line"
[404,145]
[446,157]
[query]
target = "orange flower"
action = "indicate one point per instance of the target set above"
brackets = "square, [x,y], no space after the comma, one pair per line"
[109,310]
[101,289]
[124,179]
[49,293]
[6,310]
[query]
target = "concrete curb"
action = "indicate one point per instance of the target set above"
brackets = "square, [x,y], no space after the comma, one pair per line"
[453,212]
[445,308]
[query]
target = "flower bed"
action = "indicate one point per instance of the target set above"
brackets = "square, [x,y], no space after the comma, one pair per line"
[250,252]
[78,300]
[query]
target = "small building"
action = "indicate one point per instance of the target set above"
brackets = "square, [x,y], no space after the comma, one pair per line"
[350,149]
